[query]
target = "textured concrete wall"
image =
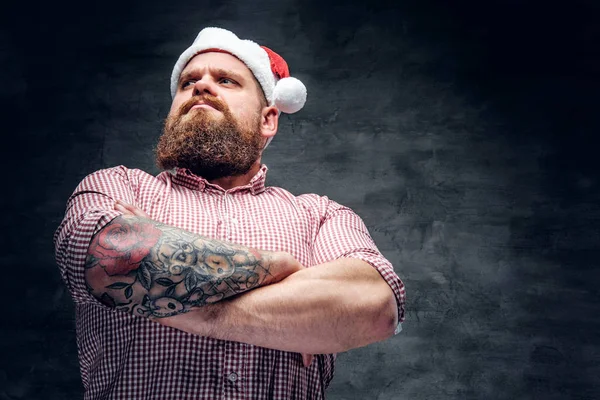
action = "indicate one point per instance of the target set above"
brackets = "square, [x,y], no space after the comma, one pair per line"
[464,136]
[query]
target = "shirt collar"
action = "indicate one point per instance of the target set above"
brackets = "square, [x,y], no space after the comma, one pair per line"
[185,177]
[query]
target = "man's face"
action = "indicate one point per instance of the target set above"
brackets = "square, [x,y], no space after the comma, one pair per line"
[214,125]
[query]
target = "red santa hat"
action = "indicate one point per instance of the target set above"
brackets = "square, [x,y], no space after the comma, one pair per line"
[270,69]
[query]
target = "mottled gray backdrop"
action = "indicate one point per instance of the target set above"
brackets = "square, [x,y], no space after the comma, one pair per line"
[465,135]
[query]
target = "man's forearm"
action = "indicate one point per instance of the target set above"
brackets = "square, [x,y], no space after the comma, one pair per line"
[148,268]
[324,309]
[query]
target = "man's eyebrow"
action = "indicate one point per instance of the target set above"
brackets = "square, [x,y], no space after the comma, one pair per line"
[229,73]
[215,71]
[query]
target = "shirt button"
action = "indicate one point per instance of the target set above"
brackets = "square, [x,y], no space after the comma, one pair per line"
[232,377]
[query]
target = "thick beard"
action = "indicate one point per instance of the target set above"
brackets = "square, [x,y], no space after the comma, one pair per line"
[209,145]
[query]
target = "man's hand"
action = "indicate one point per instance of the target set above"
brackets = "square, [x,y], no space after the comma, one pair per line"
[128,209]
[307,359]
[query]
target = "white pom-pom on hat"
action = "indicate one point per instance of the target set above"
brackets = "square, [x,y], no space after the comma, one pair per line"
[289,95]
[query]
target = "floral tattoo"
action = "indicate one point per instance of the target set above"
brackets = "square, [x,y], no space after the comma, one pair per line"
[122,247]
[151,269]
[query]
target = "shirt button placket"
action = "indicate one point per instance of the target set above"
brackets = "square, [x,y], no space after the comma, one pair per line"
[222,216]
[233,366]
[226,216]
[230,222]
[232,377]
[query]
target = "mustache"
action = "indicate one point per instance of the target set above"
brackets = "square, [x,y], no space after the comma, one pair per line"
[212,101]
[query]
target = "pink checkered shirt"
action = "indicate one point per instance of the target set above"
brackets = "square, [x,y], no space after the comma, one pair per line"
[127,357]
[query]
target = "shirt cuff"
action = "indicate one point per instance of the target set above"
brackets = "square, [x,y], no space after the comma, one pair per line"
[79,242]
[398,328]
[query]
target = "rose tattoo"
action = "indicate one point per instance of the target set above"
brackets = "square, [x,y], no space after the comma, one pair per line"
[120,248]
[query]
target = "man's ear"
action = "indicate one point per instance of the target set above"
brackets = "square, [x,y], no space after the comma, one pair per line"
[269,121]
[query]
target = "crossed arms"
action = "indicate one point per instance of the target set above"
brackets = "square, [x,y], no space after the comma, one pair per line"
[226,291]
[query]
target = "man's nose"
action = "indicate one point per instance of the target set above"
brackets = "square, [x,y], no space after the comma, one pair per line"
[204,86]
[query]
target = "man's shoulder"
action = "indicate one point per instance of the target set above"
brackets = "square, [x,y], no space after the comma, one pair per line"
[281,192]
[307,200]
[124,174]
[127,173]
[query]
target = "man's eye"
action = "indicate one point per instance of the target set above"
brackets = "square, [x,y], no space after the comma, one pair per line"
[226,80]
[186,84]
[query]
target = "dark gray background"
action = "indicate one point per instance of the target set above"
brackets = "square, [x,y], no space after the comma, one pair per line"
[465,135]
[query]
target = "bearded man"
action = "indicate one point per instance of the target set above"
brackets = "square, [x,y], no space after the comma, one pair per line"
[203,282]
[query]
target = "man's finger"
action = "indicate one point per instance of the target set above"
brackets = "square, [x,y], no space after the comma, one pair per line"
[307,359]
[132,209]
[122,209]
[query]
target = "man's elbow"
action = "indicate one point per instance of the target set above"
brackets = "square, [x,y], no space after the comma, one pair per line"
[386,320]
[98,283]
[378,320]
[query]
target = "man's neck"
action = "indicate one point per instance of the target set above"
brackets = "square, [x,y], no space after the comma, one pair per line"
[229,182]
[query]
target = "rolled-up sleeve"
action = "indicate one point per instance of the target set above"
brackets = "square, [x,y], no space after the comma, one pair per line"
[89,209]
[344,234]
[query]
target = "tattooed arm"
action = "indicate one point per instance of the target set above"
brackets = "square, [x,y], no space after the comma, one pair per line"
[155,270]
